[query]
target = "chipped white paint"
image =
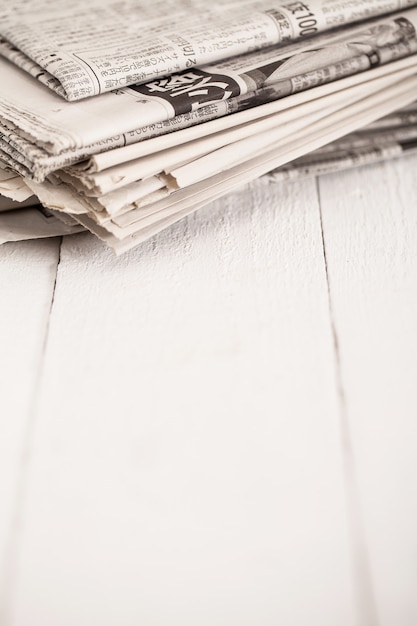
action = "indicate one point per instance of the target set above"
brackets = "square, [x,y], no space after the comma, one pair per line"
[223,428]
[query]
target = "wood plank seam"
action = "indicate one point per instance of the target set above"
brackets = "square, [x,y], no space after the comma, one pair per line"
[361,568]
[12,543]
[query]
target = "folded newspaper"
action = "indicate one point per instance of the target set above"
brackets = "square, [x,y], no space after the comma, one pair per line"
[122,117]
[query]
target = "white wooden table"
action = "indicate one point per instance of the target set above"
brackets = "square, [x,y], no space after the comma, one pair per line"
[219,428]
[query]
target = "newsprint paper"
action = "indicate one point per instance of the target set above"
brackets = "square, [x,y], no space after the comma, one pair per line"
[123,117]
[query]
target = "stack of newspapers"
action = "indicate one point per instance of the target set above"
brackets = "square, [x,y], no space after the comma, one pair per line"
[123,116]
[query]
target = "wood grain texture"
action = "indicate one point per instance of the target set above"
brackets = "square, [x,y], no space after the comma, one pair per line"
[27,277]
[220,426]
[186,465]
[370,227]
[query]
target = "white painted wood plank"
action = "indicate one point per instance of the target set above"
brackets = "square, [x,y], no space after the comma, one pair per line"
[27,276]
[370,229]
[187,465]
